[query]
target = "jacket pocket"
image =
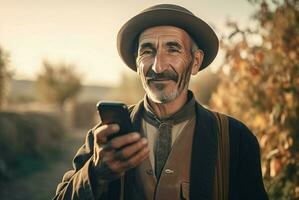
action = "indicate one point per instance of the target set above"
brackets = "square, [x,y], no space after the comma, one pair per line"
[185,187]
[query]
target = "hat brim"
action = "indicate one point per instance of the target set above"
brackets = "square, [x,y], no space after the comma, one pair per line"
[201,32]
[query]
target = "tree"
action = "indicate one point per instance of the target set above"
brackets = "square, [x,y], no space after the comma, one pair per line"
[4,74]
[260,85]
[58,82]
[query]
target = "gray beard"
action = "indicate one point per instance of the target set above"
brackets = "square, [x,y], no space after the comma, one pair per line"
[161,96]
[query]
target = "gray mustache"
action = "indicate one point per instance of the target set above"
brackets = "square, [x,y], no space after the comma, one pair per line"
[164,75]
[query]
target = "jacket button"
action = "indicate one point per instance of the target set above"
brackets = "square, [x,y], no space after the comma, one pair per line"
[150,172]
[169,171]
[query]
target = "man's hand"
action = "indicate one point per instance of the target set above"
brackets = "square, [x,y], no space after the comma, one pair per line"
[112,158]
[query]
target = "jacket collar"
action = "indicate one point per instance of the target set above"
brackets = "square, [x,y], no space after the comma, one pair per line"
[136,115]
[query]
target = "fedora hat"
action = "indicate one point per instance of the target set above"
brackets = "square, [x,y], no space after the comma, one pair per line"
[170,15]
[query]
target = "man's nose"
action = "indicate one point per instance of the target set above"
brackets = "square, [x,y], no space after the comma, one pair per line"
[159,64]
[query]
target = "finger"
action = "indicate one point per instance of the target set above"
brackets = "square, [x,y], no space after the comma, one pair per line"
[130,150]
[97,126]
[118,156]
[121,166]
[124,140]
[127,152]
[103,131]
[108,156]
[100,156]
[136,160]
[106,173]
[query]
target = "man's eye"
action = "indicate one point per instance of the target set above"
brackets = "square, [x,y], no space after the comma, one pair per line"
[173,50]
[146,52]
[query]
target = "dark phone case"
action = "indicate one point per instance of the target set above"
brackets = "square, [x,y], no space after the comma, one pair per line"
[118,113]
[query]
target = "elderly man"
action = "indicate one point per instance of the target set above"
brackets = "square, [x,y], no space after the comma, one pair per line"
[181,149]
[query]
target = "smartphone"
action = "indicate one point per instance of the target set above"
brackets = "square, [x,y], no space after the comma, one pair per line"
[115,113]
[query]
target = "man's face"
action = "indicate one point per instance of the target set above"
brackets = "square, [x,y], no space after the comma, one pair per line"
[164,62]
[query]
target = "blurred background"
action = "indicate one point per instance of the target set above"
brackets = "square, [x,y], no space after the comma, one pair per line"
[58,58]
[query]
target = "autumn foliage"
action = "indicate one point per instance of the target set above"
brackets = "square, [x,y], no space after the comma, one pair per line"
[260,86]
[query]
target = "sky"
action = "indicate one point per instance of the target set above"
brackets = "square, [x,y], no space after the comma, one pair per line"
[83,32]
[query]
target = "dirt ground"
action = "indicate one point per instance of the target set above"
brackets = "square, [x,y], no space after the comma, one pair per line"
[41,185]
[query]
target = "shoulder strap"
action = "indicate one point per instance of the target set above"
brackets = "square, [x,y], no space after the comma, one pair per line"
[222,167]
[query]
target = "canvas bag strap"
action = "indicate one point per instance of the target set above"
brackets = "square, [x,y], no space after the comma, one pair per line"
[221,185]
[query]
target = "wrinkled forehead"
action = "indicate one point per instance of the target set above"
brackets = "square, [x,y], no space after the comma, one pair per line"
[165,34]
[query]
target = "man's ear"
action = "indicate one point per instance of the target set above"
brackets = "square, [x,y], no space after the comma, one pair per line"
[198,58]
